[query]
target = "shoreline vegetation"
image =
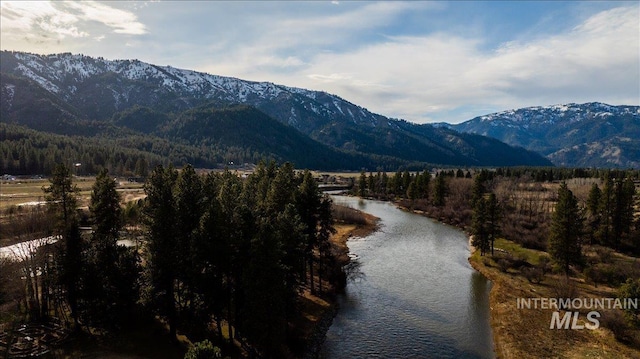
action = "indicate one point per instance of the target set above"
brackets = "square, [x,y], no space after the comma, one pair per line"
[349,223]
[525,333]
[541,233]
[314,316]
[521,267]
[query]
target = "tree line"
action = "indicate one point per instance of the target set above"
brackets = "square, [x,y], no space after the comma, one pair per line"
[238,251]
[560,223]
[219,251]
[25,151]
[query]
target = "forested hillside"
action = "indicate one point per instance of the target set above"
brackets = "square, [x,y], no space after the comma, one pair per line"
[244,121]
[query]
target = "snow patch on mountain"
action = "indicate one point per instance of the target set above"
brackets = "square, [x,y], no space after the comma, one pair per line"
[63,73]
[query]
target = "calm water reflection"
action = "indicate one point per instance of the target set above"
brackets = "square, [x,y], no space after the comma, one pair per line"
[418,298]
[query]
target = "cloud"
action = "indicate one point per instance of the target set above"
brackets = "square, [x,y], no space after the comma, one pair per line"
[122,22]
[441,75]
[421,61]
[47,21]
[437,75]
[38,19]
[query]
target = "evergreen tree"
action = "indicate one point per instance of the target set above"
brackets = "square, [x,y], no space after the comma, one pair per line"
[211,254]
[325,230]
[265,292]
[62,197]
[494,217]
[566,230]
[384,183]
[607,203]
[308,203]
[593,209]
[109,280]
[623,213]
[236,230]
[406,181]
[62,200]
[412,191]
[478,189]
[162,246]
[362,184]
[479,228]
[188,210]
[371,183]
[423,184]
[440,190]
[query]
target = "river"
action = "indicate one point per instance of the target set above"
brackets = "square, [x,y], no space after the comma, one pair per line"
[418,297]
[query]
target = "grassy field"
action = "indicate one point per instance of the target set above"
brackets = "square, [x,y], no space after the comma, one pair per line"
[22,193]
[526,333]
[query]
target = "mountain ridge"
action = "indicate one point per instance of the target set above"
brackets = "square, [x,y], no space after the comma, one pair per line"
[568,134]
[94,89]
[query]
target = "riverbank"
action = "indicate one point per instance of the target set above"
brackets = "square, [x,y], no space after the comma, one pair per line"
[318,312]
[525,333]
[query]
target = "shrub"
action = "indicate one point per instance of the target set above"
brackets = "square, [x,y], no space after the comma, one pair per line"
[564,288]
[203,350]
[614,320]
[631,289]
[347,214]
[533,274]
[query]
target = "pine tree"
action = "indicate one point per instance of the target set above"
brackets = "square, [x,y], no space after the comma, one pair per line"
[188,202]
[307,204]
[566,230]
[211,254]
[478,189]
[62,200]
[371,183]
[362,184]
[625,191]
[162,246]
[265,292]
[423,184]
[593,209]
[110,288]
[62,197]
[494,216]
[607,201]
[479,228]
[412,191]
[440,190]
[325,230]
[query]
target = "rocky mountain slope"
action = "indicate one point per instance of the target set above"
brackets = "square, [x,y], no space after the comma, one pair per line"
[56,93]
[584,135]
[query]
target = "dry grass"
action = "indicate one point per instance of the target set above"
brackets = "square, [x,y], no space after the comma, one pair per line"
[525,333]
[15,193]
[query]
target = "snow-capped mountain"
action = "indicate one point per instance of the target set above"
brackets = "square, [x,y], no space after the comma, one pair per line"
[38,90]
[589,134]
[67,75]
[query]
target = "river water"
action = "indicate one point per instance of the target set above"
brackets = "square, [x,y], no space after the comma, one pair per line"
[418,297]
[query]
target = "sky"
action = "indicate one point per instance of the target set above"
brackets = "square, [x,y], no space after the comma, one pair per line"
[419,61]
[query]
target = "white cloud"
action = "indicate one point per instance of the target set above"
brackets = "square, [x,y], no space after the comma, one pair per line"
[422,77]
[122,22]
[364,52]
[38,18]
[50,22]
